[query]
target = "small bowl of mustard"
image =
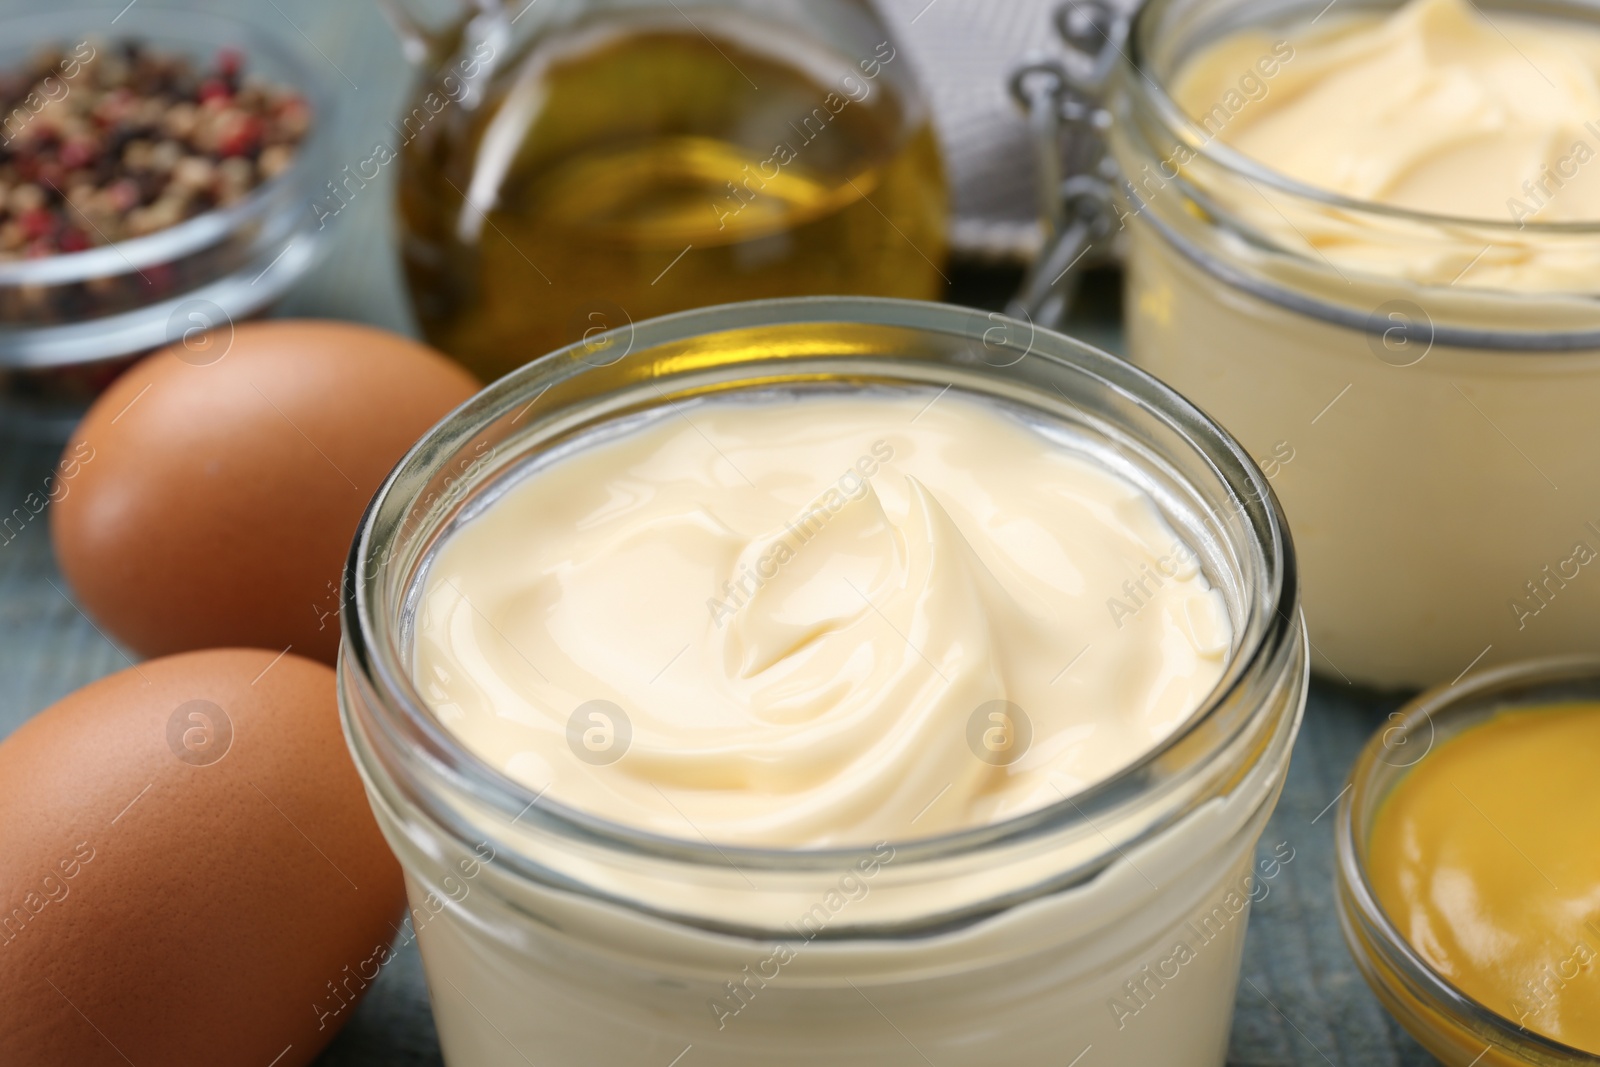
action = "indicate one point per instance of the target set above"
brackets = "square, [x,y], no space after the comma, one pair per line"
[1469,866]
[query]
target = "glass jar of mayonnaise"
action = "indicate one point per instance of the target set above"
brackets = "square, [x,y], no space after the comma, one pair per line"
[579,922]
[1363,239]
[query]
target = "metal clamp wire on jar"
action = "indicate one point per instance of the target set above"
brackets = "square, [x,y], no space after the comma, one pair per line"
[1068,120]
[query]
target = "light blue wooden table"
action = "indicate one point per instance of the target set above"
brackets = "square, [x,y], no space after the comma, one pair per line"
[1301,1003]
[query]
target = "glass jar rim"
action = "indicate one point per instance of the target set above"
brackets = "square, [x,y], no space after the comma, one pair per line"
[1360,902]
[1180,126]
[1271,631]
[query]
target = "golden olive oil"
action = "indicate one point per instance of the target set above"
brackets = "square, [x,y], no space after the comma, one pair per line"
[619,171]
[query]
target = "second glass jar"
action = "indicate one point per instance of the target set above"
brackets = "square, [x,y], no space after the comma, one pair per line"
[1431,442]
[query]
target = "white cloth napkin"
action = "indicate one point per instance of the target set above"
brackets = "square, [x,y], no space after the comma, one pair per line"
[965,51]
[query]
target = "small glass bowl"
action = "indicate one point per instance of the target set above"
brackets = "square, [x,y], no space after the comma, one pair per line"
[70,323]
[1453,1026]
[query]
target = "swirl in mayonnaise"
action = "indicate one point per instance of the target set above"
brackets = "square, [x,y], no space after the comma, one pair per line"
[817,619]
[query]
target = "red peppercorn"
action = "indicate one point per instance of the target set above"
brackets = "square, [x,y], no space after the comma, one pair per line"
[241,137]
[37,222]
[50,172]
[214,89]
[230,61]
[78,152]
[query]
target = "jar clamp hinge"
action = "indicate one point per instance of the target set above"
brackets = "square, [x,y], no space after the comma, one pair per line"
[1067,116]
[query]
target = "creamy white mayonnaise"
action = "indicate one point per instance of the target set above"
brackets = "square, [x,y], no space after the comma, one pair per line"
[814,619]
[1437,108]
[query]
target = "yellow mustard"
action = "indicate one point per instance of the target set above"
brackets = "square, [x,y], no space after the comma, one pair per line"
[1486,857]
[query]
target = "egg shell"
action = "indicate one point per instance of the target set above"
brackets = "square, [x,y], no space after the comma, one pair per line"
[188,883]
[209,497]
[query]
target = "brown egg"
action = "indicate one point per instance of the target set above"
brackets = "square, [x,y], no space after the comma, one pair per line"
[210,500]
[189,870]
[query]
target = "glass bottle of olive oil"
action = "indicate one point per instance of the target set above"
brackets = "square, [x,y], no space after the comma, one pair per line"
[640,159]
